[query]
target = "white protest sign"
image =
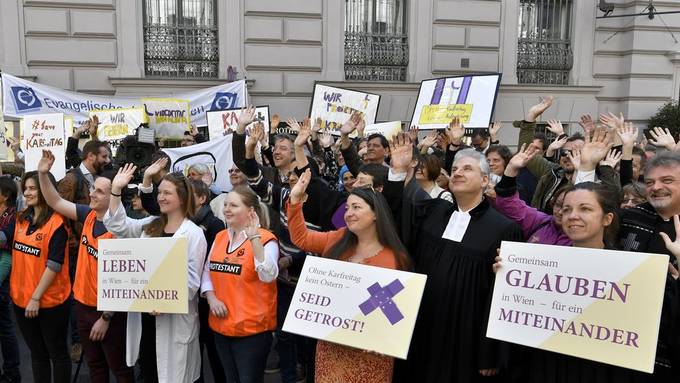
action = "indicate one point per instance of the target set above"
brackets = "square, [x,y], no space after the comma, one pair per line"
[44,132]
[116,124]
[143,275]
[169,117]
[223,122]
[366,307]
[336,105]
[602,305]
[216,154]
[471,98]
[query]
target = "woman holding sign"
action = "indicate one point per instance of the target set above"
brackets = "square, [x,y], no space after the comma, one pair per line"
[166,344]
[370,239]
[239,281]
[40,283]
[590,220]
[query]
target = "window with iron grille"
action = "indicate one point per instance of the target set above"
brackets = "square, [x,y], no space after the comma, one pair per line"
[180,38]
[544,54]
[376,40]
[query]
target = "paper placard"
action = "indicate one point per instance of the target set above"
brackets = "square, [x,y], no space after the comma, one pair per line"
[116,124]
[366,307]
[223,122]
[215,154]
[471,98]
[143,275]
[601,305]
[169,117]
[44,132]
[335,106]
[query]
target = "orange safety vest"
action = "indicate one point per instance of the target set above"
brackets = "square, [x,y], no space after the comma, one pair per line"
[29,260]
[85,284]
[251,303]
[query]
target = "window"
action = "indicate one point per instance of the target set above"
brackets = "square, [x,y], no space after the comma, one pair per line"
[376,40]
[180,38]
[544,54]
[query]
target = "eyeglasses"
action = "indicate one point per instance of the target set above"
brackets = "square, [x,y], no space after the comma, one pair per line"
[234,170]
[564,152]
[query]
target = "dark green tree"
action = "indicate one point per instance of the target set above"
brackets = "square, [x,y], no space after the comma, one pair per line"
[668,117]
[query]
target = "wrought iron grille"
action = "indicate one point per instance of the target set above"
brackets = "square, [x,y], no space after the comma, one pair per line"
[180,38]
[376,40]
[544,54]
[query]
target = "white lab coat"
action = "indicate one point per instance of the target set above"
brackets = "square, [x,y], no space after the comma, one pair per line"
[178,355]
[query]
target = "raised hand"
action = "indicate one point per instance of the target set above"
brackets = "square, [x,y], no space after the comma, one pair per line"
[253,225]
[256,135]
[361,125]
[494,129]
[557,144]
[317,125]
[246,117]
[326,140]
[413,133]
[612,121]
[673,246]
[428,140]
[520,160]
[304,132]
[123,178]
[297,193]
[350,125]
[556,127]
[662,138]
[595,149]
[46,162]
[455,131]
[587,124]
[274,122]
[401,152]
[155,168]
[612,158]
[538,109]
[628,133]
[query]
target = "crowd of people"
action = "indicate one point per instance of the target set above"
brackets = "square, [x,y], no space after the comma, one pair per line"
[394,203]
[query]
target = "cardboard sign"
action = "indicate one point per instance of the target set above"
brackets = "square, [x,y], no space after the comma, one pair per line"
[470,98]
[336,105]
[366,307]
[44,132]
[169,117]
[143,275]
[601,305]
[223,122]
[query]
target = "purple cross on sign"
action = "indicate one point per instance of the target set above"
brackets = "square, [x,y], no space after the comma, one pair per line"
[381,297]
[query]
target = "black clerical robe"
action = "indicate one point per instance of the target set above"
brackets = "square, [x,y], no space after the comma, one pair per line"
[449,342]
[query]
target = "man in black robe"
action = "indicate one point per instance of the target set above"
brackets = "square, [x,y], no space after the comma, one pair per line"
[454,245]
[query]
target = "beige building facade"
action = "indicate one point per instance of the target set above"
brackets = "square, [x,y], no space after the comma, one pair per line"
[623,64]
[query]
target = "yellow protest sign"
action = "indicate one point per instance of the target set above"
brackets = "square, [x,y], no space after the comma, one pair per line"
[443,114]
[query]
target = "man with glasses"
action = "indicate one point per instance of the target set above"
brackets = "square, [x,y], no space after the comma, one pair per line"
[551,175]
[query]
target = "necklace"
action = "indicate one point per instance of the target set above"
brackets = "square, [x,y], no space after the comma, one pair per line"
[356,258]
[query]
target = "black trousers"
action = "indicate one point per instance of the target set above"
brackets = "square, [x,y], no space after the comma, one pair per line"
[46,337]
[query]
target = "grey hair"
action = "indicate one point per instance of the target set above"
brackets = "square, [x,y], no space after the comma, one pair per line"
[200,168]
[479,156]
[663,159]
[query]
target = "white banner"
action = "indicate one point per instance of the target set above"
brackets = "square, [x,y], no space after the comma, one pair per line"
[224,122]
[215,153]
[24,97]
[45,132]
